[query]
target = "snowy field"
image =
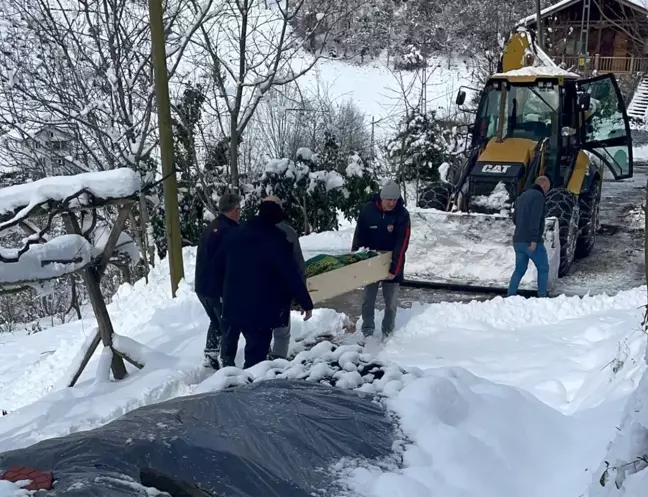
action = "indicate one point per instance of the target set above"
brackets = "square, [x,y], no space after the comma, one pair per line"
[506,398]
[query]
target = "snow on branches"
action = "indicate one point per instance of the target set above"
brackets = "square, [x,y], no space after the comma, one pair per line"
[312,193]
[37,261]
[62,255]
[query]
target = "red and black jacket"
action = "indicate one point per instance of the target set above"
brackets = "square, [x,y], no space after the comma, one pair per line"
[384,231]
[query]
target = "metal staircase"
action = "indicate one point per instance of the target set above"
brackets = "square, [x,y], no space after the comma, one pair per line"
[638,108]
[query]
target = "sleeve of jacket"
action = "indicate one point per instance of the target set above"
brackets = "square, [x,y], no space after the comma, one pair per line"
[220,263]
[514,217]
[288,268]
[402,229]
[536,212]
[298,255]
[359,238]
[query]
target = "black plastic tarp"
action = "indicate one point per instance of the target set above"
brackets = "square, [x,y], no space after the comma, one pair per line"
[267,439]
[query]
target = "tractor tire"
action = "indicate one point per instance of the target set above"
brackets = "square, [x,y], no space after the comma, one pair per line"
[563,205]
[436,196]
[590,220]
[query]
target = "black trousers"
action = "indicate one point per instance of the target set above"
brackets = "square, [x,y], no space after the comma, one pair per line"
[257,345]
[214,309]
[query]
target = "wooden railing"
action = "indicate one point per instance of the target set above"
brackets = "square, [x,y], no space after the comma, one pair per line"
[616,65]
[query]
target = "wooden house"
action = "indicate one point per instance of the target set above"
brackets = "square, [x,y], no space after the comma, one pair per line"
[596,35]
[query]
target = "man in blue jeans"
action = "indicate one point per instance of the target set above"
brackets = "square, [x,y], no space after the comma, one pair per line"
[528,241]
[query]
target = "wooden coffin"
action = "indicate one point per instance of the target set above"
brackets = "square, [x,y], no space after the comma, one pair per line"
[346,279]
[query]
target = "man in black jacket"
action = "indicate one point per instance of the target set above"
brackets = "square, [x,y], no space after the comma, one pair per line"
[261,279]
[528,239]
[207,288]
[384,225]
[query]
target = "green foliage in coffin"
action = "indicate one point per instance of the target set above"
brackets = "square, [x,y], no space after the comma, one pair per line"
[324,263]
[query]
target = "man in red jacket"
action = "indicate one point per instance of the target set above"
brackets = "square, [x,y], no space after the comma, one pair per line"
[384,225]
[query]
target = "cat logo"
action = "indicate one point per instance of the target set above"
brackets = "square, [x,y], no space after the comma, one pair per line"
[493,168]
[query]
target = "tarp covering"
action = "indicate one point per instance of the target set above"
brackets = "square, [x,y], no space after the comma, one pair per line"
[272,438]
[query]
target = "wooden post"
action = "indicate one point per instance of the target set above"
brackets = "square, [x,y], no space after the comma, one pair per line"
[86,358]
[171,210]
[539,25]
[645,209]
[91,282]
[113,237]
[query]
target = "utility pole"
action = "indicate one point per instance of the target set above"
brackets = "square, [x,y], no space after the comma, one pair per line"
[539,25]
[373,139]
[171,210]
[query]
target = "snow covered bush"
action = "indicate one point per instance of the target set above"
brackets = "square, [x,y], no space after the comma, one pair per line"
[361,183]
[311,195]
[419,148]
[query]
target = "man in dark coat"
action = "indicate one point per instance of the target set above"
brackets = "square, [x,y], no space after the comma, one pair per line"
[384,225]
[528,239]
[261,279]
[207,288]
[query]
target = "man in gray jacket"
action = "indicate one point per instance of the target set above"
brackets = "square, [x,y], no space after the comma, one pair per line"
[528,239]
[281,336]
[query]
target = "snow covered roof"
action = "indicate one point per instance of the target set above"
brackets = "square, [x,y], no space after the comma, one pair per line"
[104,185]
[640,5]
[537,71]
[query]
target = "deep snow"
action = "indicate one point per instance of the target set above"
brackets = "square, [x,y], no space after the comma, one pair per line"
[506,398]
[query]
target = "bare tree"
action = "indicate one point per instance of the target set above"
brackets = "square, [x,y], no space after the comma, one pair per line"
[250,50]
[85,68]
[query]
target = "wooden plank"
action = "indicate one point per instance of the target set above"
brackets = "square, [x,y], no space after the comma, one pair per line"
[109,248]
[86,358]
[98,304]
[346,279]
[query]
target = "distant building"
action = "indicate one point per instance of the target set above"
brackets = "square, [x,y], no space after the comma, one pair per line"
[596,35]
[50,147]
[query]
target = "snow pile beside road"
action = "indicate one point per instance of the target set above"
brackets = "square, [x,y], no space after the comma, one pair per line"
[624,470]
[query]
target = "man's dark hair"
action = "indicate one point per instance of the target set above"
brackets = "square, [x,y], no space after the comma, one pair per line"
[228,201]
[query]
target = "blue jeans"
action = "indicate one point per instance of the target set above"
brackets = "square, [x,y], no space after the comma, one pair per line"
[541,262]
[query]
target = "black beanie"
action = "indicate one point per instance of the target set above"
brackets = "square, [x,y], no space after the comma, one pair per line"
[271,212]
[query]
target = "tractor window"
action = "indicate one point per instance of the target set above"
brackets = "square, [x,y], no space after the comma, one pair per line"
[530,112]
[607,131]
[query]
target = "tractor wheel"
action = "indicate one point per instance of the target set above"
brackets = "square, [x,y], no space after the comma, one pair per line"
[563,205]
[590,219]
[436,196]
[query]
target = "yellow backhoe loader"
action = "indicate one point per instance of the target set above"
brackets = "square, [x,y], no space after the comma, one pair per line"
[533,118]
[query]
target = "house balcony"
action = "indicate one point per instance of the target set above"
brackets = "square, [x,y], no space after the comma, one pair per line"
[616,65]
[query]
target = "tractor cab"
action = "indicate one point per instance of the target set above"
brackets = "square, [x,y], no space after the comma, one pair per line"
[528,125]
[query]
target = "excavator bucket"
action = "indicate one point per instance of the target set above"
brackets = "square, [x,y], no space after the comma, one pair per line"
[471,250]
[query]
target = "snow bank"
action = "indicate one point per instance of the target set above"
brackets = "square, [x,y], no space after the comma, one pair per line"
[572,353]
[105,185]
[463,436]
[624,470]
[46,261]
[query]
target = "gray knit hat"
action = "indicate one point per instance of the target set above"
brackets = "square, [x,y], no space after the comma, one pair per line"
[390,190]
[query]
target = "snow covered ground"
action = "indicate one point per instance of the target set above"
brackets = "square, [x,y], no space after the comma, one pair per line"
[505,398]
